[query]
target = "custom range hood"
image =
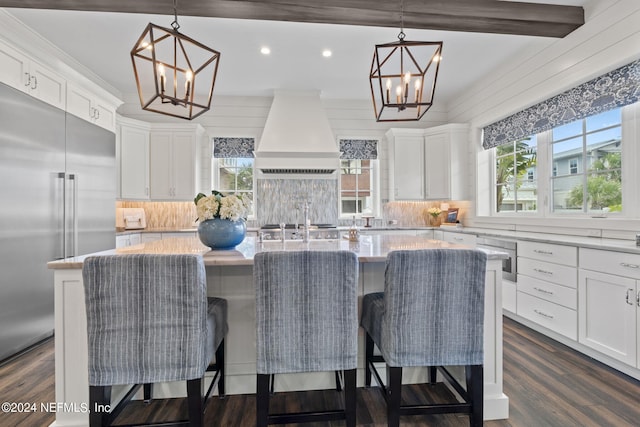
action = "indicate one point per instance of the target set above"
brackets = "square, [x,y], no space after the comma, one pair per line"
[297,138]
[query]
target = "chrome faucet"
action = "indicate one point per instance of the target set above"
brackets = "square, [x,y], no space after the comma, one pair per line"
[307,223]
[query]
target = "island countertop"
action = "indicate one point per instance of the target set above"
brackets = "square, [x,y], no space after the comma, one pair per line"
[370,248]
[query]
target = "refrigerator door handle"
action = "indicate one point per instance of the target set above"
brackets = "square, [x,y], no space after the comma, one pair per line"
[63,246]
[73,178]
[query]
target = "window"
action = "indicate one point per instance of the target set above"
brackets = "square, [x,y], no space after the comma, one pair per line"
[516,186]
[356,186]
[573,166]
[233,166]
[592,150]
[358,178]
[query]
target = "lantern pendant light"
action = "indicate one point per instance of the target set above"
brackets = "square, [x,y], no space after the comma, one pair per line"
[175,74]
[403,78]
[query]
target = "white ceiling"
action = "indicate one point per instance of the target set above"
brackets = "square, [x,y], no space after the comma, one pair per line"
[102,42]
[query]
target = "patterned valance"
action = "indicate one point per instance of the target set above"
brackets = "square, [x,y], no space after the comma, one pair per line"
[233,147]
[615,89]
[359,148]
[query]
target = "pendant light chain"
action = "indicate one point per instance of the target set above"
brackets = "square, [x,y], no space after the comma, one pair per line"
[175,24]
[401,36]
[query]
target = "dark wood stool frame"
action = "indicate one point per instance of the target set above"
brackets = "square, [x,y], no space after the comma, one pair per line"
[472,397]
[100,396]
[265,389]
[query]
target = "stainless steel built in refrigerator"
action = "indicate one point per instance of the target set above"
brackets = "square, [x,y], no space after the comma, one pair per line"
[57,192]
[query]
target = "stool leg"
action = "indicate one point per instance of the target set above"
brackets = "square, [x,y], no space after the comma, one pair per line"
[367,359]
[433,373]
[220,365]
[99,399]
[195,399]
[148,392]
[394,390]
[338,382]
[350,397]
[474,374]
[262,400]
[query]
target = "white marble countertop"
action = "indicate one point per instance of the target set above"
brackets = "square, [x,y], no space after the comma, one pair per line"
[628,246]
[372,248]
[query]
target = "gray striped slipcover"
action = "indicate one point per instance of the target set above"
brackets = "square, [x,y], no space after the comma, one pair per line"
[432,310]
[149,319]
[306,311]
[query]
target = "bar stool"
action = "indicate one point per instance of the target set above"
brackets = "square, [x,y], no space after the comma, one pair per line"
[431,314]
[149,320]
[306,321]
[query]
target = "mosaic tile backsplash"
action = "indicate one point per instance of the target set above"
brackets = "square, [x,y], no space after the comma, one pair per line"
[281,200]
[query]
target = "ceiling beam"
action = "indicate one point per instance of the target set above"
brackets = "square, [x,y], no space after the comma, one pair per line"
[482,16]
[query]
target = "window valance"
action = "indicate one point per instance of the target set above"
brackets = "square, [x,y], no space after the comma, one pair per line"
[615,89]
[359,148]
[233,147]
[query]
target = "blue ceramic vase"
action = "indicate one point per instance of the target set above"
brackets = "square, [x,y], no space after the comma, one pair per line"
[220,233]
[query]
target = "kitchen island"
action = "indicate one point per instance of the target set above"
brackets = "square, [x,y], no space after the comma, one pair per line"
[230,276]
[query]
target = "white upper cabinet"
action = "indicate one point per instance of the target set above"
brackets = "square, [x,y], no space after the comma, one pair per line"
[406,153]
[88,106]
[21,72]
[428,164]
[133,149]
[446,162]
[175,161]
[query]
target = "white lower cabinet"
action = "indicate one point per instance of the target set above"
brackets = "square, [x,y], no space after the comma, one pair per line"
[547,286]
[609,304]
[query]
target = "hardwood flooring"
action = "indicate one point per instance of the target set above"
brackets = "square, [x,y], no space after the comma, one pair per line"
[548,384]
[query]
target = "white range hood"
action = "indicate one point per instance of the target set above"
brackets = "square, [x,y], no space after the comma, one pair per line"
[297,138]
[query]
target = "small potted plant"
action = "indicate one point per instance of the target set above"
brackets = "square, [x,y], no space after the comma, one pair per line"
[434,216]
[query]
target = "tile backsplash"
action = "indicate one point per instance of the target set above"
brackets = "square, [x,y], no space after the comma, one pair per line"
[174,215]
[281,200]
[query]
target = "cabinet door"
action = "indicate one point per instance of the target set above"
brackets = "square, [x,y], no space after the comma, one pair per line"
[607,315]
[409,168]
[183,165]
[47,86]
[103,115]
[160,180]
[14,68]
[437,167]
[134,163]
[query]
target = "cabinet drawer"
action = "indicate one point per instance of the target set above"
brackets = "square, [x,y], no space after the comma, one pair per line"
[618,263]
[558,254]
[460,238]
[562,295]
[552,316]
[549,272]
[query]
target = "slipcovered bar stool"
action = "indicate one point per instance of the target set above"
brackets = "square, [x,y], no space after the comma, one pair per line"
[306,321]
[149,320]
[431,314]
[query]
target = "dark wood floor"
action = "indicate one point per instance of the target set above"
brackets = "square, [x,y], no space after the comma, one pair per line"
[548,384]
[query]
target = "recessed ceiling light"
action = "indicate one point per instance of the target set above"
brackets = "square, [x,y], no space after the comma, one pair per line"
[326,53]
[265,50]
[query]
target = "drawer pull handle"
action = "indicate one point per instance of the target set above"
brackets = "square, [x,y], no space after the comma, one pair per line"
[537,270]
[459,239]
[638,299]
[539,251]
[544,291]
[629,301]
[548,316]
[624,264]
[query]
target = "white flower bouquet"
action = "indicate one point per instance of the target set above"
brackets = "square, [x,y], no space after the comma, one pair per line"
[218,205]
